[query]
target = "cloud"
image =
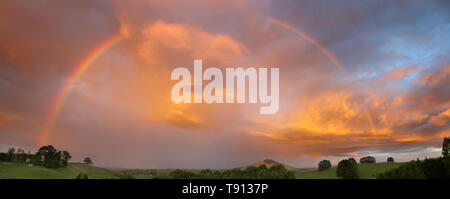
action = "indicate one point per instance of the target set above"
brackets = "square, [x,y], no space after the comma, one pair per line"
[442,118]
[401,72]
[434,77]
[177,42]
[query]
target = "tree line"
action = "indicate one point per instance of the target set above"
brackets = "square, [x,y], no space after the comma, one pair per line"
[46,156]
[261,172]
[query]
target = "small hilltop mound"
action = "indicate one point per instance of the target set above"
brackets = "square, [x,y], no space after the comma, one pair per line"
[269,163]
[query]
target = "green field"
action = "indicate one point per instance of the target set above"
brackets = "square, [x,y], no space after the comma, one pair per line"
[365,171]
[18,170]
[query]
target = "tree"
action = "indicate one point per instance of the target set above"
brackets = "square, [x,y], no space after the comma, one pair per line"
[20,156]
[88,160]
[347,170]
[353,161]
[324,165]
[37,159]
[10,154]
[390,159]
[445,147]
[65,157]
[50,156]
[368,159]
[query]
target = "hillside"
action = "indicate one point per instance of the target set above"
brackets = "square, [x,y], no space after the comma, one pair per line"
[24,171]
[365,171]
[269,163]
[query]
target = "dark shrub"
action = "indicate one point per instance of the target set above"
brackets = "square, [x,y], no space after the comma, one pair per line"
[410,170]
[390,159]
[324,165]
[347,170]
[434,168]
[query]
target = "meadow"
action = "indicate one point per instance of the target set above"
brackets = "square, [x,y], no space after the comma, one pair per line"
[365,171]
[11,170]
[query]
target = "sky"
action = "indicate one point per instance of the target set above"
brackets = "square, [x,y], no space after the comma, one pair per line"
[357,78]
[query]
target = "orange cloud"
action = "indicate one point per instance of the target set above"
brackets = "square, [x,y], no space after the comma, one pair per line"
[163,42]
[435,77]
[155,50]
[401,72]
[442,118]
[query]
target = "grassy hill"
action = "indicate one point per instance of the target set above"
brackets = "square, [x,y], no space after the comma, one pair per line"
[18,170]
[365,171]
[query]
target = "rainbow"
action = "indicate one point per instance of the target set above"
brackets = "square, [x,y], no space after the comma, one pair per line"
[64,91]
[310,39]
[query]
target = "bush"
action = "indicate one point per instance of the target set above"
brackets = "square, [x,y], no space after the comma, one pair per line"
[410,170]
[324,165]
[435,168]
[347,170]
[390,159]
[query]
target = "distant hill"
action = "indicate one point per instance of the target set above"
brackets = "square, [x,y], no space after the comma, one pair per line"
[269,163]
[11,170]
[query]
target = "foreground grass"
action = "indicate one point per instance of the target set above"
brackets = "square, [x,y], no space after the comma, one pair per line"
[365,171]
[25,171]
